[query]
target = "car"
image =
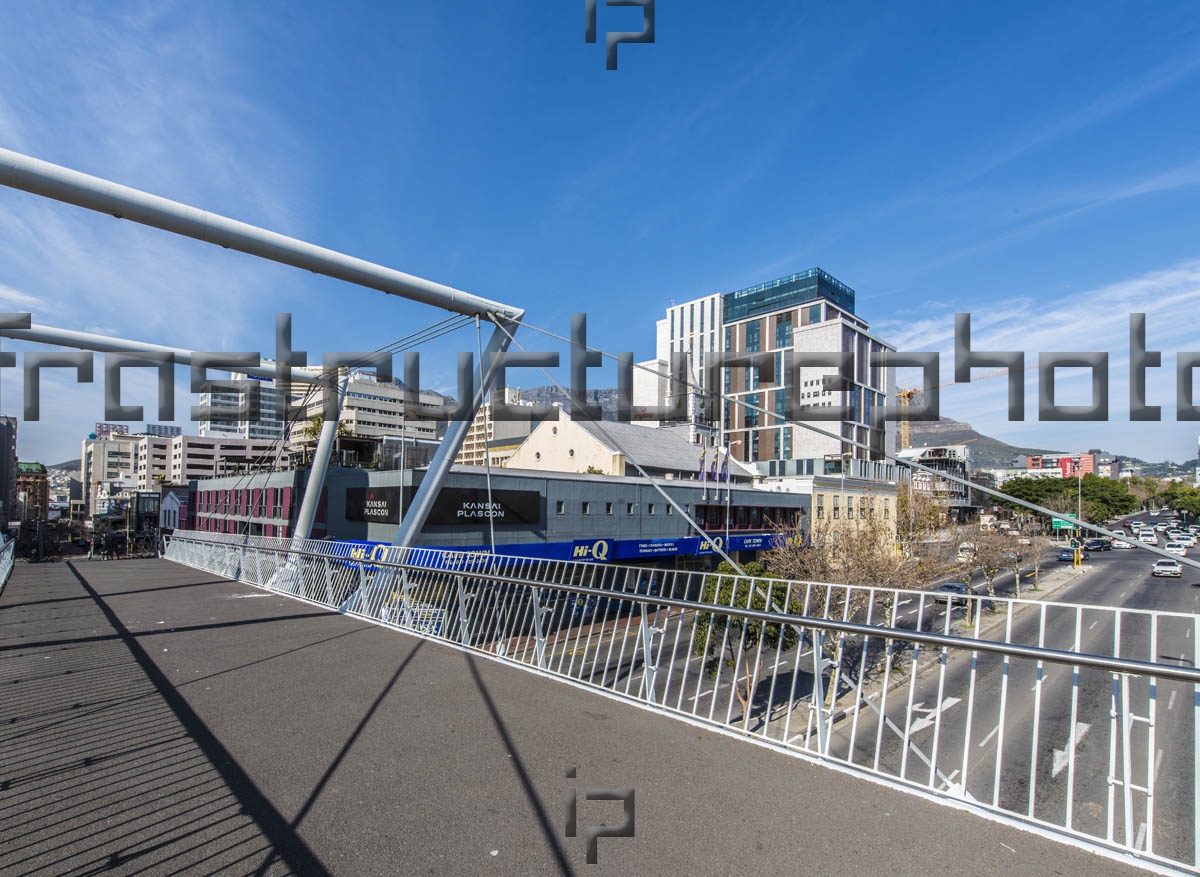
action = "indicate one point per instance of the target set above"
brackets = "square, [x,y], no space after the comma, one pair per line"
[1153,513]
[1147,537]
[1136,526]
[1167,568]
[1160,527]
[955,591]
[1098,545]
[1174,534]
[1188,539]
[1176,548]
[1067,555]
[1122,545]
[1024,540]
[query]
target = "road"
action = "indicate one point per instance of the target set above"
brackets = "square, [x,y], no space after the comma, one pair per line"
[1036,740]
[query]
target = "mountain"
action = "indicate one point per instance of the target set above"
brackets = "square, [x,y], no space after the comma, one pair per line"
[72,465]
[986,452]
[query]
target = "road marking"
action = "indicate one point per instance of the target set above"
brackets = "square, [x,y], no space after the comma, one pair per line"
[904,602]
[988,738]
[927,721]
[1062,756]
[1171,699]
[700,695]
[1045,678]
[1157,764]
[1187,634]
[1123,593]
[1092,626]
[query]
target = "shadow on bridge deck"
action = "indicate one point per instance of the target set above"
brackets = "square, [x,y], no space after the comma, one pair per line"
[155,719]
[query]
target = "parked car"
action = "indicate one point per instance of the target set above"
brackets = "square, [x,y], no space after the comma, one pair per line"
[955,591]
[1167,568]
[1121,544]
[1098,545]
[1176,548]
[1067,555]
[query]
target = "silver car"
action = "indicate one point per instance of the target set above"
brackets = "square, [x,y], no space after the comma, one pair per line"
[1167,568]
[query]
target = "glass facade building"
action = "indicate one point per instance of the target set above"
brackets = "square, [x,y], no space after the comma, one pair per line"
[788,292]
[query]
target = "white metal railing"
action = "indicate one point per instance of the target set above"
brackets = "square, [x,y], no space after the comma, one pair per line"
[1083,720]
[7,553]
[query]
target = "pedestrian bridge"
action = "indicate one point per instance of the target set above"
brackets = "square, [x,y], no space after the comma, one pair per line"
[161,718]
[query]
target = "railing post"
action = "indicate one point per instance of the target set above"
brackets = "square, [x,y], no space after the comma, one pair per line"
[650,668]
[539,634]
[818,695]
[464,629]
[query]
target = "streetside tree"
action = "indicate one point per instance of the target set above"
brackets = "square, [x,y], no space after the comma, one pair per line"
[732,640]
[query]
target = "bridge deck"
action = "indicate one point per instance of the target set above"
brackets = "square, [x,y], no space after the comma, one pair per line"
[155,719]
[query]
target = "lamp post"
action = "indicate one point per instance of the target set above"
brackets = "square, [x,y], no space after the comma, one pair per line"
[729,487]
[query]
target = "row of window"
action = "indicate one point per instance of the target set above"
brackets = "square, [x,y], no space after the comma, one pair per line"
[585,507]
[866,507]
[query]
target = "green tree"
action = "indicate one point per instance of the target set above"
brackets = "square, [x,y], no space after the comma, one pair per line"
[733,640]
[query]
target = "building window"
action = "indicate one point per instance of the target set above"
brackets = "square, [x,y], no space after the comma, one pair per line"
[650,509]
[886,512]
[849,508]
[754,336]
[862,508]
[783,331]
[814,314]
[587,508]
[608,509]
[820,506]
[670,509]
[837,511]
[629,508]
[559,507]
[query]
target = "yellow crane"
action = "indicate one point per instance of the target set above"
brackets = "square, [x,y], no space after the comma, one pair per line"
[906,394]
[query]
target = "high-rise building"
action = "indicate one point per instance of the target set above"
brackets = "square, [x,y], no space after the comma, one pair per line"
[808,312]
[163,429]
[8,467]
[236,393]
[105,460]
[104,430]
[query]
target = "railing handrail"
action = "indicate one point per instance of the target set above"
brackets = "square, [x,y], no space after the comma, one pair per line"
[1056,656]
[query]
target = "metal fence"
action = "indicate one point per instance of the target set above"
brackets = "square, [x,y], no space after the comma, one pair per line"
[7,553]
[1082,720]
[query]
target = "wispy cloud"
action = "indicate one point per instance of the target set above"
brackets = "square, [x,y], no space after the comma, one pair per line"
[150,95]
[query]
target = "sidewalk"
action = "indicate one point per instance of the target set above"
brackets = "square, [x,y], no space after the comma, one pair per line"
[157,720]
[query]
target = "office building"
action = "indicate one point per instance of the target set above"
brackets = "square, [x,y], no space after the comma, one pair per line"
[33,485]
[163,429]
[810,312]
[255,397]
[104,430]
[104,461]
[8,467]
[490,441]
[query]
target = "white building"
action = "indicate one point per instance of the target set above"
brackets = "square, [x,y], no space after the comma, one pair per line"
[106,460]
[376,409]
[695,329]
[267,425]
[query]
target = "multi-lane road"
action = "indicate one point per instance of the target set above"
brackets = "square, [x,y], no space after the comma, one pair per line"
[1049,741]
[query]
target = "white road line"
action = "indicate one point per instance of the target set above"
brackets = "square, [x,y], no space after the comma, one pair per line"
[1092,626]
[1187,634]
[1123,593]
[904,602]
[700,695]
[988,739]
[1062,756]
[1157,765]
[1171,699]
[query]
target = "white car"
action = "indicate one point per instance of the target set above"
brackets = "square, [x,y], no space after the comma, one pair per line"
[1147,537]
[1188,539]
[1176,548]
[1136,525]
[1167,568]
[1120,544]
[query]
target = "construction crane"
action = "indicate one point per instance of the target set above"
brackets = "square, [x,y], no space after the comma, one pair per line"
[906,395]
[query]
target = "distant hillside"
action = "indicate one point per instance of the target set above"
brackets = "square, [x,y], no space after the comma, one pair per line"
[606,399]
[72,465]
[986,452]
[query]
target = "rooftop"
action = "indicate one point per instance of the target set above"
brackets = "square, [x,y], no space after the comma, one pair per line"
[786,292]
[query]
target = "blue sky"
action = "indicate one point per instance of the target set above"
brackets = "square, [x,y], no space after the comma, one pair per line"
[1039,169]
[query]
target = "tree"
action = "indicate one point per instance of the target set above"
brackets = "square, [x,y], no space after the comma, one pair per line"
[989,557]
[840,563]
[312,430]
[733,640]
[1039,544]
[918,516]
